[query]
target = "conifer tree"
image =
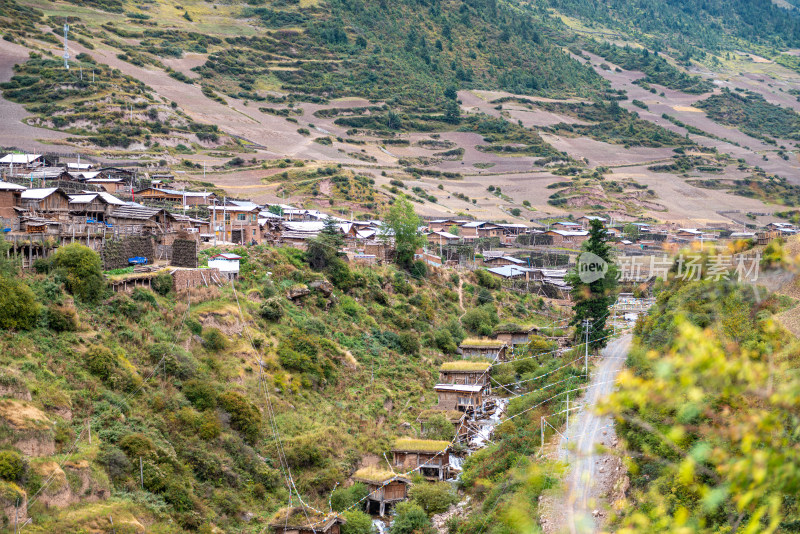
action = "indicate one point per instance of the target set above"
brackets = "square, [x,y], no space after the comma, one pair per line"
[594,285]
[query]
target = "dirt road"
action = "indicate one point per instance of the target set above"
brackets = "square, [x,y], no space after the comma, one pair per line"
[591,474]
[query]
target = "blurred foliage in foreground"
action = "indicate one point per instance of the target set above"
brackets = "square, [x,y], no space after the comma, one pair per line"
[708,414]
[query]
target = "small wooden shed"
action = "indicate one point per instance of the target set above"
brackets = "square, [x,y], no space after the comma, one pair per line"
[297,520]
[430,457]
[466,372]
[491,349]
[460,397]
[385,487]
[515,335]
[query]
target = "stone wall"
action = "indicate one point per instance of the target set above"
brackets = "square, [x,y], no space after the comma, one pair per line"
[184,253]
[115,254]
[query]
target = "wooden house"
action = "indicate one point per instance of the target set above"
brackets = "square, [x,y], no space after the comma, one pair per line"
[586,220]
[137,220]
[39,225]
[97,206]
[127,175]
[481,229]
[10,198]
[454,417]
[499,261]
[689,233]
[460,397]
[514,335]
[442,238]
[50,202]
[567,225]
[490,349]
[444,225]
[191,225]
[430,457]
[236,224]
[466,372]
[109,185]
[567,237]
[174,196]
[386,488]
[304,520]
[26,161]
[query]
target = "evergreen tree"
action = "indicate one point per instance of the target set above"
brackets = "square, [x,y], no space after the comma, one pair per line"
[322,250]
[594,284]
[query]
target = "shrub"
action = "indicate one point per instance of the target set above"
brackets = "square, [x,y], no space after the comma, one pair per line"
[62,318]
[433,498]
[409,343]
[271,310]
[438,427]
[444,341]
[81,269]
[357,523]
[18,307]
[162,283]
[485,296]
[11,466]
[214,340]
[245,417]
[410,519]
[114,461]
[344,498]
[136,445]
[479,320]
[194,326]
[487,280]
[200,393]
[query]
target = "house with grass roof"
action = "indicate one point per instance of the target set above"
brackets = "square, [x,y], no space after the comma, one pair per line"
[466,372]
[489,349]
[514,335]
[430,457]
[386,488]
[304,520]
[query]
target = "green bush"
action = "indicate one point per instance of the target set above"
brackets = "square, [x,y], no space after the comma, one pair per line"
[11,466]
[411,519]
[214,340]
[487,280]
[485,296]
[18,307]
[409,342]
[62,318]
[245,417]
[480,320]
[439,427]
[81,269]
[162,283]
[194,326]
[344,498]
[357,523]
[433,498]
[200,393]
[271,310]
[444,341]
[136,445]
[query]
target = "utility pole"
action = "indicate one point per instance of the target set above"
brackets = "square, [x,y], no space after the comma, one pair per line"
[566,432]
[586,324]
[66,49]
[541,425]
[141,473]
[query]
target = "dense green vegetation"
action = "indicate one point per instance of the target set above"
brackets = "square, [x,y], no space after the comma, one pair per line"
[708,413]
[692,23]
[656,68]
[401,52]
[752,114]
[768,188]
[180,388]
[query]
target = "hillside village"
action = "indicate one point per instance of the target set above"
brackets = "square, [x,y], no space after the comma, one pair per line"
[45,202]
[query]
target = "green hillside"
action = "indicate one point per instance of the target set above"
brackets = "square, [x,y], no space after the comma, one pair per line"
[175,380]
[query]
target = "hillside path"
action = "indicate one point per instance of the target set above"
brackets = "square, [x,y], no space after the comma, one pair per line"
[591,475]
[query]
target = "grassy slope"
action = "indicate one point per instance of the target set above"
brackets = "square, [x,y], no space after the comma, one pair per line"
[340,378]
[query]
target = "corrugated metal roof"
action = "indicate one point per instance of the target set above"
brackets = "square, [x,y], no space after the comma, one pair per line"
[38,194]
[8,186]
